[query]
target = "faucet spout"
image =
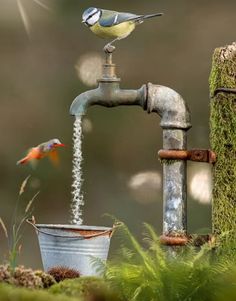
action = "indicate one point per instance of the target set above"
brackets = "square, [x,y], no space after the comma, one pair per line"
[81,102]
[108,94]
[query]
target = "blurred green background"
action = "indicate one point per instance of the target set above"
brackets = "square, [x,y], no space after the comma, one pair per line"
[45,64]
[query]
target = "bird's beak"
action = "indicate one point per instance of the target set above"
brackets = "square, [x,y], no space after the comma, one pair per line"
[60,144]
[83,21]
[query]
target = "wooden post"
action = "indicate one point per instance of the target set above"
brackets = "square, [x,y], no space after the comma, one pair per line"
[223,139]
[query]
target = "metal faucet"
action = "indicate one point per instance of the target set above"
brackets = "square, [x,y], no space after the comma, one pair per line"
[175,121]
[108,93]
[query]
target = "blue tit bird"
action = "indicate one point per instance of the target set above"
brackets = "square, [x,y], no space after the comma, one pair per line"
[114,25]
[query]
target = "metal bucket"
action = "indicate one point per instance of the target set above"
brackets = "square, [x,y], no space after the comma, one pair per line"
[73,246]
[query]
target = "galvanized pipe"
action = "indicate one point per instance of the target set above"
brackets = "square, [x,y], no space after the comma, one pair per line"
[175,121]
[174,185]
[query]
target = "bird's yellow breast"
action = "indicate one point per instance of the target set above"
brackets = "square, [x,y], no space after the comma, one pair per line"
[112,32]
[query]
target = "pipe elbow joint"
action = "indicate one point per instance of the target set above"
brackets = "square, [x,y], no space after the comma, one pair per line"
[171,107]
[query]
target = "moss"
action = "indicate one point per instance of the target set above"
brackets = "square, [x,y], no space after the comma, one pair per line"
[223,72]
[47,279]
[86,288]
[10,293]
[223,140]
[21,276]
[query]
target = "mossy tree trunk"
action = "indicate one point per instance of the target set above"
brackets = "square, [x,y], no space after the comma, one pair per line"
[223,139]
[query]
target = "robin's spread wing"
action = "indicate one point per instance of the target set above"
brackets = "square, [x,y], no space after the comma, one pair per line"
[53,156]
[34,153]
[111,18]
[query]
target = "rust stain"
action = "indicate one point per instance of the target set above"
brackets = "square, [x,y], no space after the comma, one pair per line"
[90,233]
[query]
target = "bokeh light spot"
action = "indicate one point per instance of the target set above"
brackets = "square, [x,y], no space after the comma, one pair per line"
[145,186]
[89,68]
[201,186]
[87,125]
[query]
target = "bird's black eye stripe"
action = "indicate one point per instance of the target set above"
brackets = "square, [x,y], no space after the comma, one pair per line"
[92,15]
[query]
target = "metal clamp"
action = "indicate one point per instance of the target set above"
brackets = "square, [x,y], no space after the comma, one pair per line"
[169,240]
[183,240]
[197,155]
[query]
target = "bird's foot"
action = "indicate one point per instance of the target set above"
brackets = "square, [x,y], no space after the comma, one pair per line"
[109,48]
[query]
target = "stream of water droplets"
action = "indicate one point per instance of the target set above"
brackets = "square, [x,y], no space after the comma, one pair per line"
[77,200]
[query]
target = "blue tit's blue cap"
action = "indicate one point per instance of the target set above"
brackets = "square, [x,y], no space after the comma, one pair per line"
[89,12]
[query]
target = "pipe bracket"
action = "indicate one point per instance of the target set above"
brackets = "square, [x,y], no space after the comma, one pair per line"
[174,240]
[182,240]
[196,155]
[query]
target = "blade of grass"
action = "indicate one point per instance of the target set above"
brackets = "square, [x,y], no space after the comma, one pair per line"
[31,202]
[21,191]
[27,213]
[23,185]
[4,227]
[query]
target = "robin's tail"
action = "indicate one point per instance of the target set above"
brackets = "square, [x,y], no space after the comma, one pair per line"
[22,161]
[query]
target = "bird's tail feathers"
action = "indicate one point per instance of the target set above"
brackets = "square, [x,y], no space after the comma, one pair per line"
[22,161]
[152,15]
[140,19]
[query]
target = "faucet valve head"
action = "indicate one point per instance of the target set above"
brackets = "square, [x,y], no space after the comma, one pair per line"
[109,70]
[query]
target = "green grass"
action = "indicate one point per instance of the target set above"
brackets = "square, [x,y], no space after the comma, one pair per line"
[14,234]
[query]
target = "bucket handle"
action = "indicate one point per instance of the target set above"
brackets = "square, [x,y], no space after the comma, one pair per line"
[69,236]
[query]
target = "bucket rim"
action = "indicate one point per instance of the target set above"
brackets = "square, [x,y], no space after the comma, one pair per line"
[74,227]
